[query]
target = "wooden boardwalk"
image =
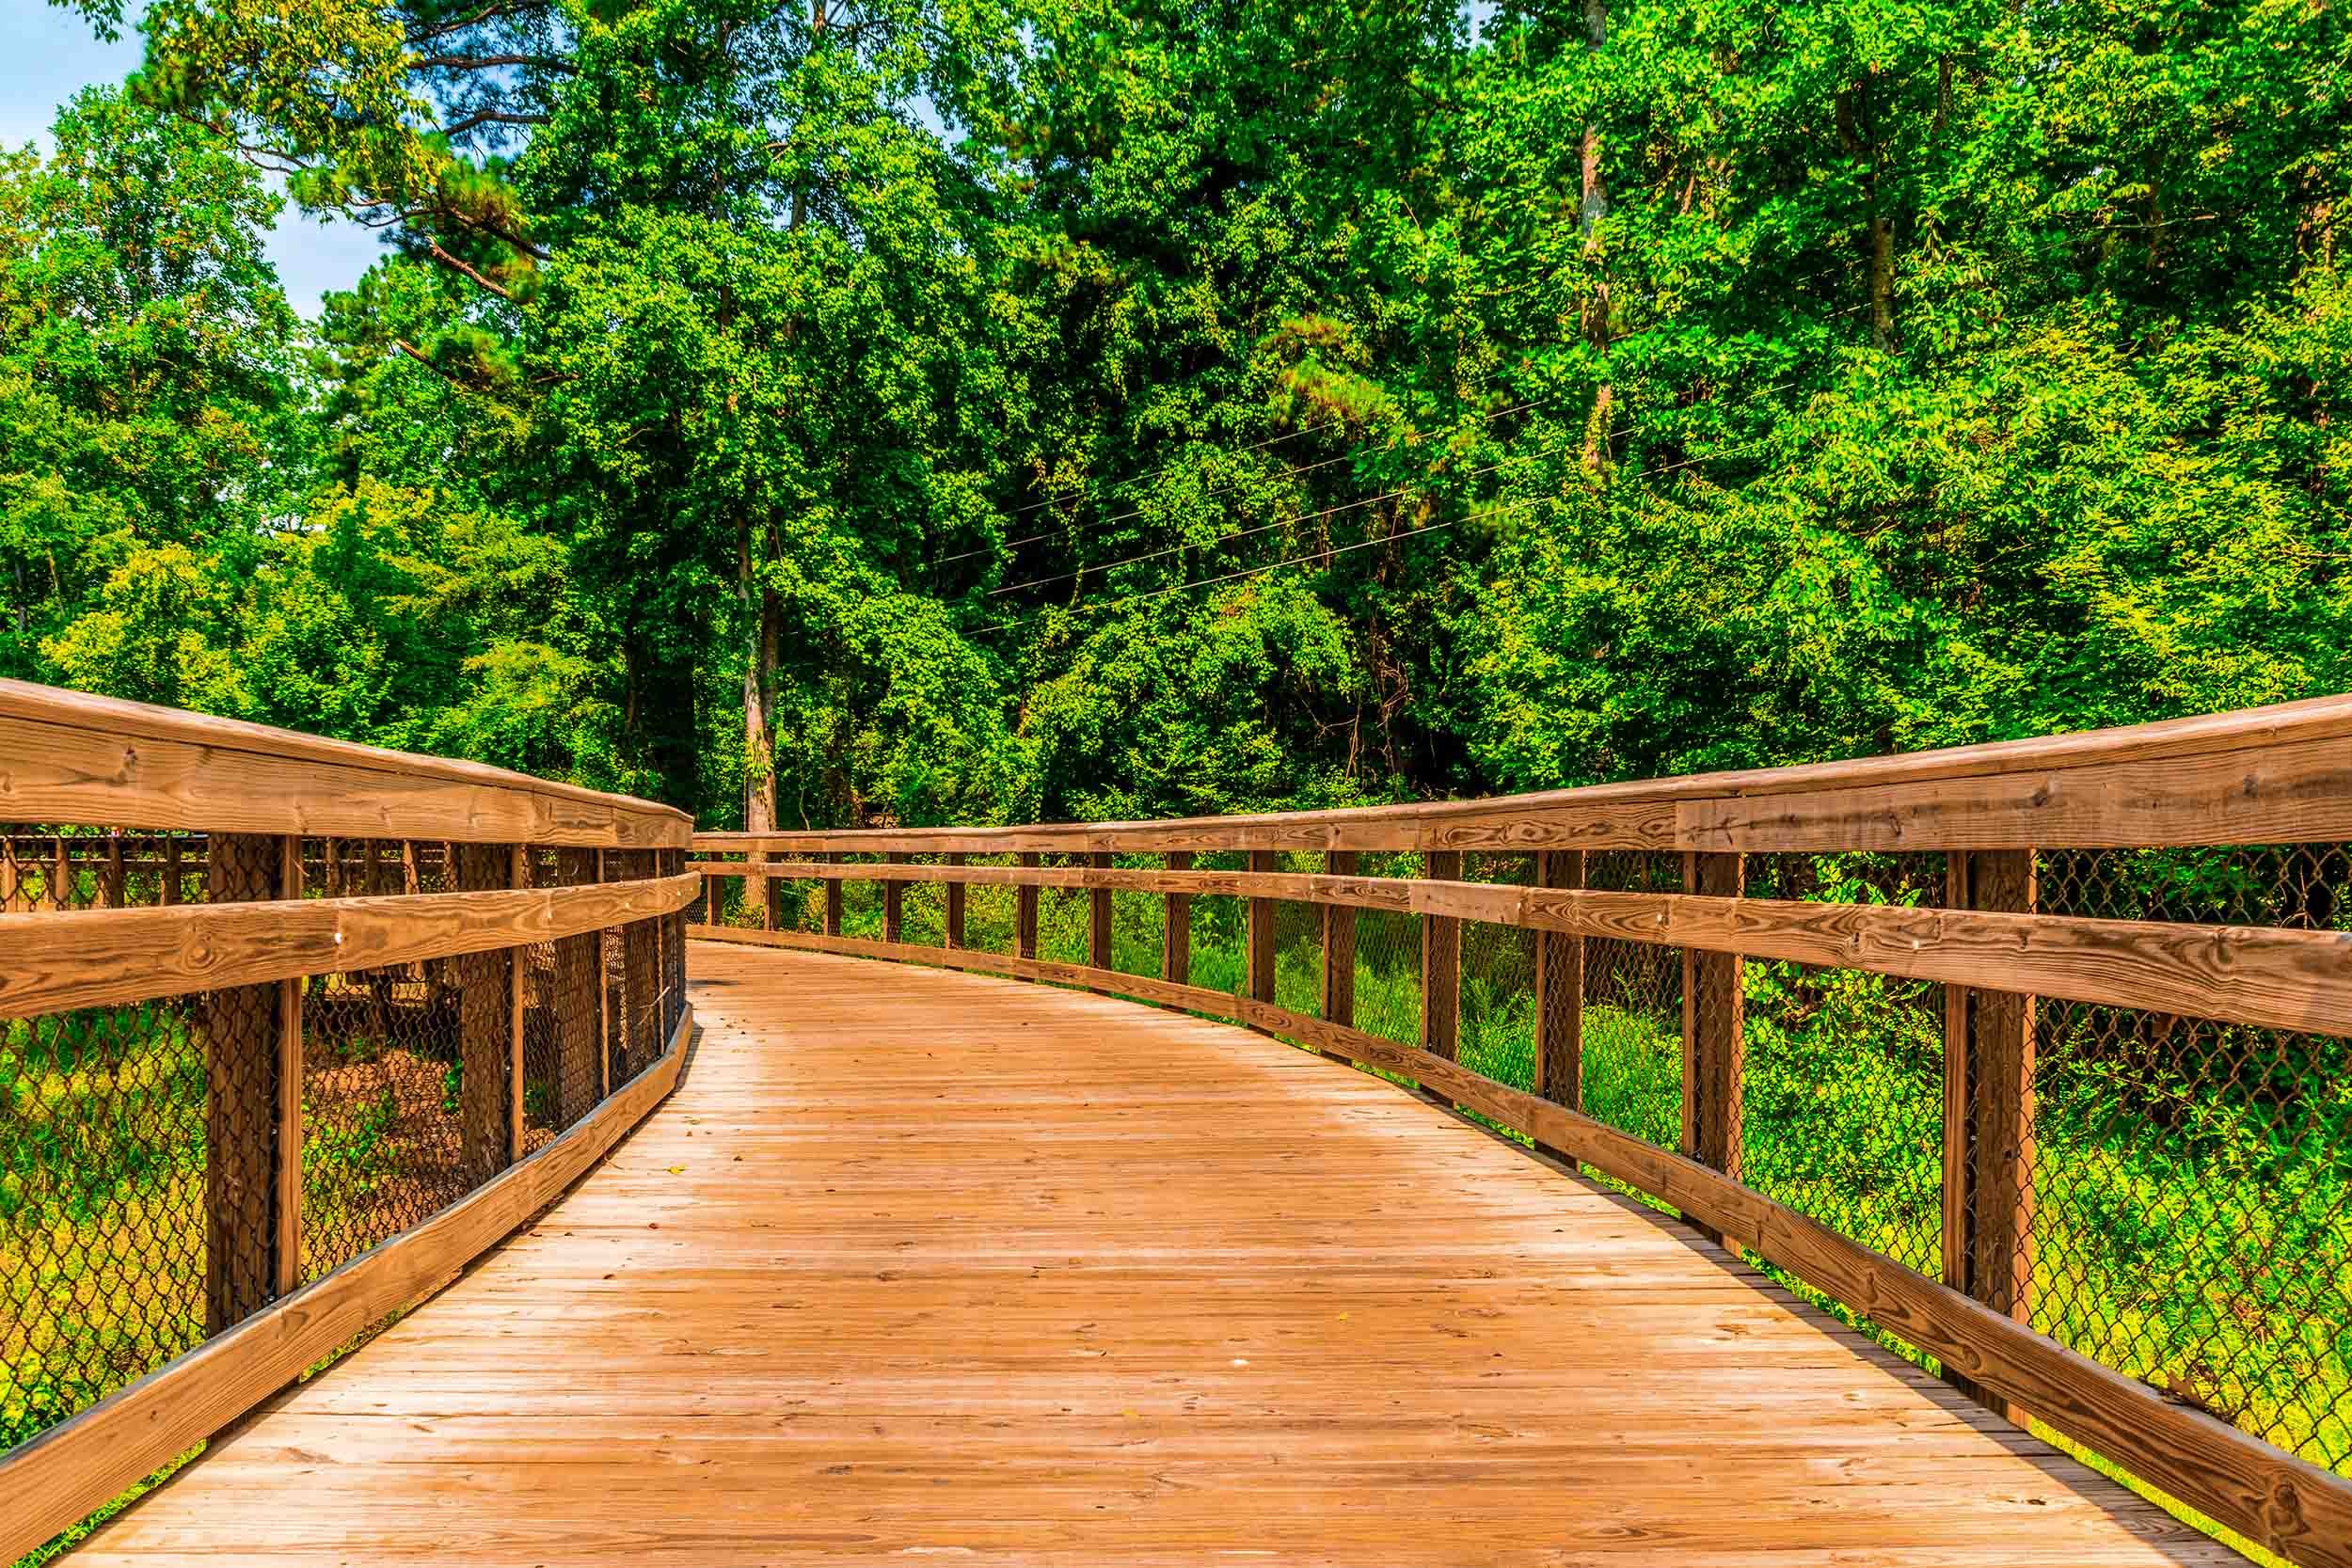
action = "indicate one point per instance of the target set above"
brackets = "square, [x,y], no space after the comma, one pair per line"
[919,1264]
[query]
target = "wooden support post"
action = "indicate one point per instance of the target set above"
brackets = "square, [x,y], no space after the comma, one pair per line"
[518,978]
[1339,946]
[11,879]
[243,1028]
[641,987]
[173,892]
[770,899]
[604,996]
[288,1249]
[1989,1146]
[484,1027]
[110,886]
[1441,967]
[1176,940]
[1024,913]
[1559,991]
[1099,916]
[954,907]
[832,899]
[714,901]
[1262,950]
[893,903]
[62,882]
[1715,1013]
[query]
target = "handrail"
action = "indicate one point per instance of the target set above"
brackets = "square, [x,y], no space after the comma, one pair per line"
[2275,774]
[2177,897]
[327,1026]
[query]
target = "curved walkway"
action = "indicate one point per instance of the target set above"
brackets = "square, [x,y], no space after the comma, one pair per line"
[919,1264]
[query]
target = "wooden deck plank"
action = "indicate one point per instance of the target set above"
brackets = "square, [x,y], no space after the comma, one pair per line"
[923,1263]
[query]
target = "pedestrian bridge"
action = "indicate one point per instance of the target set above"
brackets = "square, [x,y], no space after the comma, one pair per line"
[898,1197]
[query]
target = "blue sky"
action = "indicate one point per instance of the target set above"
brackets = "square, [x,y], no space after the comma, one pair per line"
[47,56]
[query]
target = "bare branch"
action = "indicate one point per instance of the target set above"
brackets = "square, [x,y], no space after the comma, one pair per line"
[453,263]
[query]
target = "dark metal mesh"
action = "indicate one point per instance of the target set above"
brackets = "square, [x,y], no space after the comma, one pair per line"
[1842,1096]
[1389,958]
[1633,1023]
[1138,922]
[102,1204]
[1220,930]
[2192,1182]
[1299,941]
[1064,917]
[990,913]
[1497,1003]
[923,909]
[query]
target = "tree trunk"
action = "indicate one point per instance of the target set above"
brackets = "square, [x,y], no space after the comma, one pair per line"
[1593,208]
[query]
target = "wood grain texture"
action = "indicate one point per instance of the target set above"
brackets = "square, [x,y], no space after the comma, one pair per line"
[1336,1325]
[2275,774]
[91,957]
[2279,978]
[60,1476]
[66,756]
[2295,1508]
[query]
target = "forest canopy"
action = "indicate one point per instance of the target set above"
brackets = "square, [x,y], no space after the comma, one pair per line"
[856,412]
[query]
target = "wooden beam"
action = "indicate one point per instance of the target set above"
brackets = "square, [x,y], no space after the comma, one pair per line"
[1996,1177]
[832,902]
[893,903]
[61,1477]
[575,1005]
[518,978]
[104,957]
[1024,912]
[66,756]
[1339,946]
[287,1250]
[242,1101]
[1441,967]
[1261,948]
[2272,977]
[1176,927]
[1559,991]
[1099,918]
[954,907]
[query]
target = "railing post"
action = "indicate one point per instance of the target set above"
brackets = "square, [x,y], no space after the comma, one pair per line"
[110,889]
[1099,916]
[893,903]
[1176,936]
[1714,1012]
[172,890]
[713,900]
[576,985]
[244,1101]
[485,1032]
[11,880]
[1441,967]
[1339,946]
[518,977]
[1261,951]
[833,896]
[1559,991]
[1024,912]
[640,981]
[63,881]
[288,1251]
[1989,1110]
[770,897]
[955,906]
[604,995]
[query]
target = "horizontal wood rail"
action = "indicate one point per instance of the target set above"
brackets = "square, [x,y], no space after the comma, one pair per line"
[66,756]
[2146,971]
[2288,979]
[324,1025]
[2265,775]
[98,958]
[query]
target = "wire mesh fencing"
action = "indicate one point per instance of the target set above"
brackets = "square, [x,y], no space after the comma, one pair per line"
[1842,1086]
[2189,1182]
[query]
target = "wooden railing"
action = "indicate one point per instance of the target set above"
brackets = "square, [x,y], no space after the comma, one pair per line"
[290,1030]
[2031,1057]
